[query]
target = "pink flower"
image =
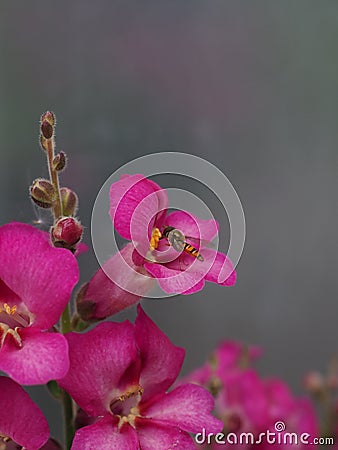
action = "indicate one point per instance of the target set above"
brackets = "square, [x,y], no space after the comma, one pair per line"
[247,403]
[36,281]
[21,421]
[138,208]
[119,376]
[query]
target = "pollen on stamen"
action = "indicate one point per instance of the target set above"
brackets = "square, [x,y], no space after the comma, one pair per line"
[154,240]
[10,310]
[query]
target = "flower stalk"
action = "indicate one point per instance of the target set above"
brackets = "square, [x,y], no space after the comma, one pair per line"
[47,130]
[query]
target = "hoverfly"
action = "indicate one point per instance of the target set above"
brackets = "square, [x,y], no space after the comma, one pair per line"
[178,241]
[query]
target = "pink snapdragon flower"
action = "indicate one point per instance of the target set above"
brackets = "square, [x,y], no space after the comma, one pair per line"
[138,208]
[21,421]
[119,376]
[139,212]
[247,403]
[36,281]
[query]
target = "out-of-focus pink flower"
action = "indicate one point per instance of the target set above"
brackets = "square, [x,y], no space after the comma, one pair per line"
[248,404]
[138,209]
[36,281]
[21,421]
[119,376]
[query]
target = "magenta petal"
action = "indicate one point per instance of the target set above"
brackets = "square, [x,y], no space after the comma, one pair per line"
[198,287]
[247,390]
[127,283]
[199,376]
[175,281]
[41,275]
[20,418]
[222,270]
[161,360]
[98,359]
[125,196]
[103,435]
[42,357]
[188,407]
[155,436]
[192,226]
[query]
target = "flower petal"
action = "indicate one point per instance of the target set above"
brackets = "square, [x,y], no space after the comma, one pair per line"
[222,270]
[41,275]
[106,295]
[20,417]
[98,360]
[161,360]
[127,193]
[154,435]
[188,407]
[175,281]
[42,357]
[192,226]
[103,435]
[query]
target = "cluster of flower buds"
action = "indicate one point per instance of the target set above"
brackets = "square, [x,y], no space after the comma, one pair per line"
[66,231]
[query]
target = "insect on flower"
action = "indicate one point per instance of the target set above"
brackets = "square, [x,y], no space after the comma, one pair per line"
[177,240]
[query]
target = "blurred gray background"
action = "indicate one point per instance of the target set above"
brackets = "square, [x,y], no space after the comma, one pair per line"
[249,85]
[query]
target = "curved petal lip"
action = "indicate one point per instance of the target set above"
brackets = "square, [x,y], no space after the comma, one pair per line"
[20,417]
[99,359]
[125,196]
[32,269]
[43,357]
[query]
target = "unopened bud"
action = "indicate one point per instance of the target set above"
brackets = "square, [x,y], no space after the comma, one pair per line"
[332,381]
[49,116]
[43,142]
[314,383]
[42,193]
[69,201]
[59,161]
[66,232]
[47,129]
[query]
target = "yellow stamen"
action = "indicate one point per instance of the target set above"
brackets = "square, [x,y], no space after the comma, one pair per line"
[10,310]
[155,237]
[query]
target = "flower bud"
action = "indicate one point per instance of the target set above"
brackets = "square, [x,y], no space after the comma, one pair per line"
[42,193]
[43,143]
[332,381]
[59,161]
[66,232]
[314,383]
[69,201]
[47,129]
[49,117]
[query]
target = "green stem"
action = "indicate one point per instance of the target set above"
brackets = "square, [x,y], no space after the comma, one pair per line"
[67,402]
[66,325]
